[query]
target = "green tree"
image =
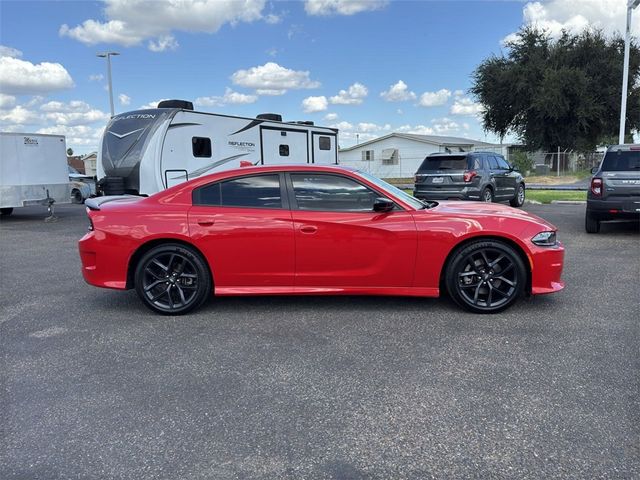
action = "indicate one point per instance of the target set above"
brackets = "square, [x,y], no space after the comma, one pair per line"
[558,93]
[69,152]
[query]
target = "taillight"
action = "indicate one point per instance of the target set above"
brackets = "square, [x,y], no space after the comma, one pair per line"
[418,178]
[596,186]
[90,227]
[470,175]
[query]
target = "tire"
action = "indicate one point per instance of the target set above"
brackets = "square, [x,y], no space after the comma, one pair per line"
[172,279]
[486,276]
[5,212]
[487,195]
[76,196]
[591,225]
[518,200]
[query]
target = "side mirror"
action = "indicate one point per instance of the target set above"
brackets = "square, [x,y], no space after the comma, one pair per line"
[594,170]
[383,205]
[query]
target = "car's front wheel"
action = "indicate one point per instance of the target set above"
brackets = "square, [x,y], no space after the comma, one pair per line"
[172,279]
[486,276]
[518,200]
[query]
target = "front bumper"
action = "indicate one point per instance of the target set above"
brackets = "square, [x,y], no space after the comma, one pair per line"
[546,268]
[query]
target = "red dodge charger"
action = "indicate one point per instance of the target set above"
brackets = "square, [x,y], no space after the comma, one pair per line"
[314,230]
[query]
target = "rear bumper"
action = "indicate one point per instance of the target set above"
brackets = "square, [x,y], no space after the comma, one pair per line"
[546,269]
[103,263]
[618,208]
[446,192]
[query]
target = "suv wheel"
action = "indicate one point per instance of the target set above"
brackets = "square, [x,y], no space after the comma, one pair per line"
[591,225]
[487,195]
[518,200]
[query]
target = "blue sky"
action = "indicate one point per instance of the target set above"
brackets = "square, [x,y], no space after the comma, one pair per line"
[331,61]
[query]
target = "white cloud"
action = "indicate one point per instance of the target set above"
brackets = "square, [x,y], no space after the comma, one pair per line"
[96,77]
[22,77]
[229,97]
[7,101]
[151,105]
[445,126]
[19,115]
[166,42]
[273,78]
[272,52]
[77,136]
[272,19]
[342,126]
[342,7]
[130,22]
[465,106]
[314,104]
[330,117]
[577,15]
[354,95]
[417,129]
[124,99]
[74,113]
[434,99]
[458,93]
[398,92]
[9,52]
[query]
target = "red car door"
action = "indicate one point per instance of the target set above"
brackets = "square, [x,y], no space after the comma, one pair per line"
[244,228]
[342,242]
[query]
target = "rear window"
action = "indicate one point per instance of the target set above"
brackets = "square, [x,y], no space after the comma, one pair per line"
[448,162]
[618,161]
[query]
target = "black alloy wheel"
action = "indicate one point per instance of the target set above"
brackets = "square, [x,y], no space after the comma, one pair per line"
[486,276]
[172,279]
[518,200]
[487,195]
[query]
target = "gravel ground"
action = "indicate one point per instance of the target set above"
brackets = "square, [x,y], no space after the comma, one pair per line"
[96,387]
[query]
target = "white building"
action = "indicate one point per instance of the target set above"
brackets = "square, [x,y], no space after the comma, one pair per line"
[398,155]
[90,164]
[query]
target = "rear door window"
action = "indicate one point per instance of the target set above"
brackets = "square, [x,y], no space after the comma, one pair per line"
[619,161]
[493,163]
[445,162]
[260,191]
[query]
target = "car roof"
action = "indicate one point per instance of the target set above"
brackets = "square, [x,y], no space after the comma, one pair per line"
[624,148]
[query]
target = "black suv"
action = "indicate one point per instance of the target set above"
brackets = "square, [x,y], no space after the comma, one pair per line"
[615,187]
[482,176]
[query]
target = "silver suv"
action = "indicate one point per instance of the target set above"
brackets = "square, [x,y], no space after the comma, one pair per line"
[614,192]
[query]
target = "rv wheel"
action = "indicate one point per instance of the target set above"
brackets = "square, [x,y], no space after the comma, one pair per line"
[5,212]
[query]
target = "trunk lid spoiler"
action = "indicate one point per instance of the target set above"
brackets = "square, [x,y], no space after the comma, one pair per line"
[96,202]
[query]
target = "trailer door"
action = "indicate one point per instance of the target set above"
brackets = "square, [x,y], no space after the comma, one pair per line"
[284,145]
[324,148]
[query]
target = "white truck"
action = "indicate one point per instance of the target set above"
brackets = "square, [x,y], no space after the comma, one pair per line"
[33,170]
[145,151]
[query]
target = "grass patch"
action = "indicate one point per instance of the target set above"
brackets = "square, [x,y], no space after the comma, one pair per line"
[547,196]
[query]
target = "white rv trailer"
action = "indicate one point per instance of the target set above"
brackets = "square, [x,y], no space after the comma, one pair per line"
[33,170]
[146,151]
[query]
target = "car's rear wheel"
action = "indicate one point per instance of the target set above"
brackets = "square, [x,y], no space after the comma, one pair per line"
[486,276]
[487,195]
[518,200]
[172,279]
[76,196]
[591,225]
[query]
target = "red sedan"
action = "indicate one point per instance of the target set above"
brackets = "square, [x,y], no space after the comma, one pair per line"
[314,231]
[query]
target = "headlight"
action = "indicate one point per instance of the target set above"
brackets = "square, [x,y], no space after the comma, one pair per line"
[545,239]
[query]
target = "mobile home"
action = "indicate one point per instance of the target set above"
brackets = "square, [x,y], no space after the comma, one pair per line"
[146,151]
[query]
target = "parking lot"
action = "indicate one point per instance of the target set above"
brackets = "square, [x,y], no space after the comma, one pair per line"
[95,386]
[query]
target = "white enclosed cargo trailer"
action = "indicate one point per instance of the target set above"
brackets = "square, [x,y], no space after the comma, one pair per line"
[145,151]
[33,170]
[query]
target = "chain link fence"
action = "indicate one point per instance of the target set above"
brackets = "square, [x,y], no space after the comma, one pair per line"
[563,163]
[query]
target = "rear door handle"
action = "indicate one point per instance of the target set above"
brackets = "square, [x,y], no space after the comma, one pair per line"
[205,222]
[308,229]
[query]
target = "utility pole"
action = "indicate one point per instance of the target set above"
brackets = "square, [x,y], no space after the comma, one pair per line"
[108,56]
[625,70]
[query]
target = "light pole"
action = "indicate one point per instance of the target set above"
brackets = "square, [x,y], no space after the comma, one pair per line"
[625,72]
[108,56]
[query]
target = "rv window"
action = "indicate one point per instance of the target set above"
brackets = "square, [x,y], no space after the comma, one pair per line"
[201,146]
[284,150]
[324,143]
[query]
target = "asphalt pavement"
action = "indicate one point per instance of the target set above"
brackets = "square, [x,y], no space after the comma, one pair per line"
[94,386]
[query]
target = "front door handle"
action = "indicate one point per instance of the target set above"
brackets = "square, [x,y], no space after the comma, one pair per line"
[205,222]
[308,229]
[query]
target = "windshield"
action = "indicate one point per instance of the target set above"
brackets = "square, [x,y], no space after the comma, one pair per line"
[619,161]
[394,191]
[445,162]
